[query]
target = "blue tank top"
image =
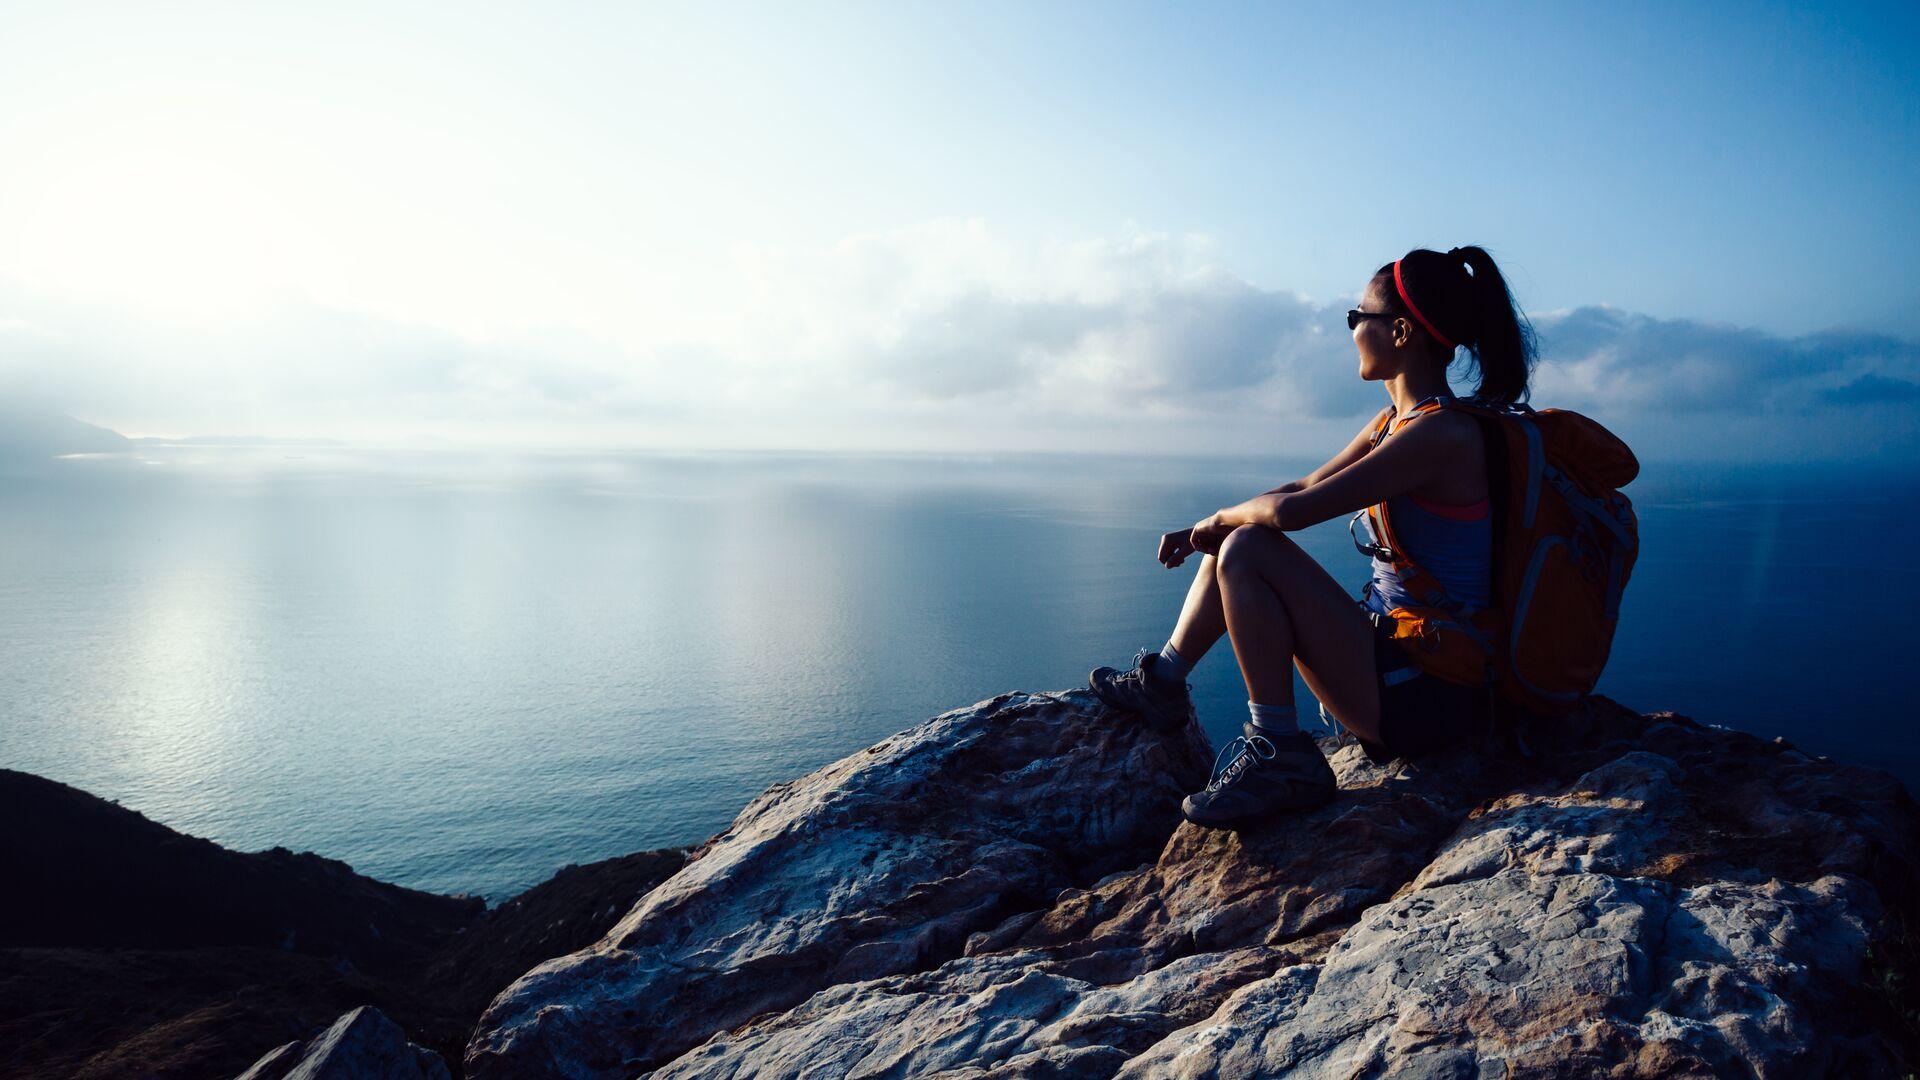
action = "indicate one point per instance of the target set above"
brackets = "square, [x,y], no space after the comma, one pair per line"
[1453,542]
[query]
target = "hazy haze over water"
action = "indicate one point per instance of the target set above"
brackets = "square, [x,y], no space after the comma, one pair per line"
[460,672]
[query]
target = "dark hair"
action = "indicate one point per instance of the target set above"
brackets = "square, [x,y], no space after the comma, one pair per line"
[1466,299]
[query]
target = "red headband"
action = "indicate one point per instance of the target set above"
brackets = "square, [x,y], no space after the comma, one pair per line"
[1408,300]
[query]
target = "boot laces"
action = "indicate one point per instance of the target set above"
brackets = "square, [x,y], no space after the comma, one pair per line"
[1243,753]
[1138,676]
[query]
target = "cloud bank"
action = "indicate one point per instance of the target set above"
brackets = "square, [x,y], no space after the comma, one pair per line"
[942,335]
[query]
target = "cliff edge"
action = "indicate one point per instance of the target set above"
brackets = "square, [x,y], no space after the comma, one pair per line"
[1008,891]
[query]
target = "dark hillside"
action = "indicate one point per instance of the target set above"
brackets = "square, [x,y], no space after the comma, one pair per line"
[130,949]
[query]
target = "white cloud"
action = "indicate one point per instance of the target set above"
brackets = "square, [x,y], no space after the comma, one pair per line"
[1614,359]
[937,334]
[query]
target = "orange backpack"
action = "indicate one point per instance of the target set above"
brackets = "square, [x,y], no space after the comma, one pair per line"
[1564,542]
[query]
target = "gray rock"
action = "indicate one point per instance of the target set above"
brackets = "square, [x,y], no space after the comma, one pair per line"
[970,1014]
[1001,893]
[1528,948]
[361,1045]
[884,862]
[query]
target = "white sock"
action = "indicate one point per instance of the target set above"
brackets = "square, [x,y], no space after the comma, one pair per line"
[1274,719]
[1171,666]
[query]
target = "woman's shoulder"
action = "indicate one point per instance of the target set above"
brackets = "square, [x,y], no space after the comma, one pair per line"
[1441,429]
[1455,436]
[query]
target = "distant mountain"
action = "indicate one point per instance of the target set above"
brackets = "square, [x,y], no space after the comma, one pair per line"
[232,440]
[26,435]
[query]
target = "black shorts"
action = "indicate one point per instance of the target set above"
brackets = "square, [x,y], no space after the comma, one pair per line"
[1419,713]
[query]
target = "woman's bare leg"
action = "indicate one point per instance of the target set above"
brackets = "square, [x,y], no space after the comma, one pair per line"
[1203,620]
[1282,609]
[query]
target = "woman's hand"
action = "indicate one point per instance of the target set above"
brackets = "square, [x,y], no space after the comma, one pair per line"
[1175,547]
[1210,532]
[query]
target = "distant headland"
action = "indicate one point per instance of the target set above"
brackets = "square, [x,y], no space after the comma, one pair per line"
[32,437]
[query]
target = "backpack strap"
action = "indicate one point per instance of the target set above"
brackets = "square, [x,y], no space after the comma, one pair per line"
[1414,578]
[1389,421]
[1379,430]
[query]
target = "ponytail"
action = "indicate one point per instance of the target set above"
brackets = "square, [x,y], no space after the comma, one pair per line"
[1461,297]
[1503,347]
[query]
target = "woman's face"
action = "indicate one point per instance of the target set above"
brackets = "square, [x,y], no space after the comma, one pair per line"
[1380,357]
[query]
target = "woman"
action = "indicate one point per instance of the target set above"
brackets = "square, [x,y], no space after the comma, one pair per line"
[1282,609]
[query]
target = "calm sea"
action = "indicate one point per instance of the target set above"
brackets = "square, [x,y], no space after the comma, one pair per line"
[461,672]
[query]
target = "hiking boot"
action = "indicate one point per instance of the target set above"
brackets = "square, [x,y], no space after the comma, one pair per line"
[1263,775]
[1165,704]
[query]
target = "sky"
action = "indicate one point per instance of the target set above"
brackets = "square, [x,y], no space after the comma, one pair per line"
[1113,227]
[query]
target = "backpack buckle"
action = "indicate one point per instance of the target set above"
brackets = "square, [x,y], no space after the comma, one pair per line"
[1367,547]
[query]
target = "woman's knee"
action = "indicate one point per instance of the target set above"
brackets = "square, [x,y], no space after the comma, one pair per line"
[1253,549]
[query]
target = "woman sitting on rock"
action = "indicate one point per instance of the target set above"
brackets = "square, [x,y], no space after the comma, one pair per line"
[1283,610]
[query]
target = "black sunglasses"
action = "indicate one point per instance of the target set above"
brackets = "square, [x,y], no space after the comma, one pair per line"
[1354,316]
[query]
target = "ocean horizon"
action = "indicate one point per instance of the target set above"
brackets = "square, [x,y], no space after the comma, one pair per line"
[460,671]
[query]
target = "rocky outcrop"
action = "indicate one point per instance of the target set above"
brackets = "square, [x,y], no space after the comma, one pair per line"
[569,911]
[1004,892]
[362,1045]
[1007,891]
[884,863]
[1537,941]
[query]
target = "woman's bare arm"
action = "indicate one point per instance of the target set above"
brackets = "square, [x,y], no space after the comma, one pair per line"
[1353,452]
[1403,463]
[1176,546]
[1264,507]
